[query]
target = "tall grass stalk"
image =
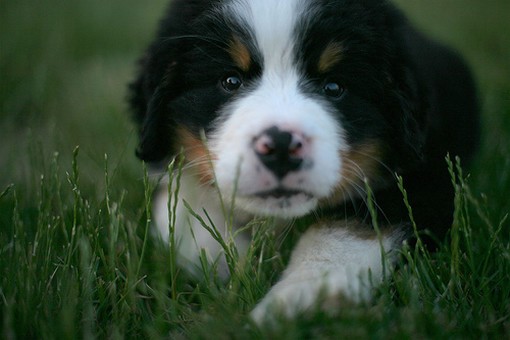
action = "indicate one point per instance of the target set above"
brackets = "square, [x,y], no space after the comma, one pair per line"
[75,259]
[174,179]
[85,266]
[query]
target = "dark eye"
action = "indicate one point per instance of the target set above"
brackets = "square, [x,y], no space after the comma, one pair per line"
[231,83]
[333,90]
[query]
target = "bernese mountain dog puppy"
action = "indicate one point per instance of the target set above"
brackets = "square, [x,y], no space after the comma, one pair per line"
[294,108]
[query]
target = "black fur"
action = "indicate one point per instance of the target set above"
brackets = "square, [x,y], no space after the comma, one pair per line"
[414,95]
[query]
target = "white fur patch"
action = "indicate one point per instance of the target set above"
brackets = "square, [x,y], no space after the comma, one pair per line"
[272,23]
[327,261]
[277,101]
[190,235]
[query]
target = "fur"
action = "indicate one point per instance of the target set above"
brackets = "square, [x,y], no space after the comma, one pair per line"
[292,107]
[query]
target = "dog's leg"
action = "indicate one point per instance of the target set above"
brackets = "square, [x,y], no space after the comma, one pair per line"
[330,261]
[190,235]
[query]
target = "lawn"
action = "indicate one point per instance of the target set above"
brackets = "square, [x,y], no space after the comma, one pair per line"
[76,256]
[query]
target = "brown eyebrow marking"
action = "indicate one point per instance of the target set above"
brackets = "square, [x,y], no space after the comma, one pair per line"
[240,54]
[331,55]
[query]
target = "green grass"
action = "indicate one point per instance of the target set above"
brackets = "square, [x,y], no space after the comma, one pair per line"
[76,256]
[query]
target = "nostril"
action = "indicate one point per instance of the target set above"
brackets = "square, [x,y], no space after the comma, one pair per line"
[295,146]
[264,145]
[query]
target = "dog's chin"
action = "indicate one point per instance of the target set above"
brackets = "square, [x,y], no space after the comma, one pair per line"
[278,203]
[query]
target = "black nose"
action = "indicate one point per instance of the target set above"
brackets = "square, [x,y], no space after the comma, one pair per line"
[280,151]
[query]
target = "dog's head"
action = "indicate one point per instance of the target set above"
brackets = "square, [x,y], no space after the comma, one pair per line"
[287,104]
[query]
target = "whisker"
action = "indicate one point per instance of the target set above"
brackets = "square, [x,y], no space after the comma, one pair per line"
[285,233]
[358,188]
[377,160]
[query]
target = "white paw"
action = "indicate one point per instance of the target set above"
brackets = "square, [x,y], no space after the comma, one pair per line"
[287,300]
[328,264]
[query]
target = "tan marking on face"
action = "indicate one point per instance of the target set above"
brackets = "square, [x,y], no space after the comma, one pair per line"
[197,155]
[240,54]
[331,55]
[361,162]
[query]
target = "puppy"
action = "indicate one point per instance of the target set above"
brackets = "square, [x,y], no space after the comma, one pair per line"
[294,107]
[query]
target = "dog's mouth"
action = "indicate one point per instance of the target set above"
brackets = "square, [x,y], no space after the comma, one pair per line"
[279,202]
[282,193]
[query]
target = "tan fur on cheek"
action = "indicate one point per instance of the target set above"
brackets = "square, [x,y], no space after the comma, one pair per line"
[361,162]
[197,157]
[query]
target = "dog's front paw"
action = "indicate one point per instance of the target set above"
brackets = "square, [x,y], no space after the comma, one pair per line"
[286,300]
[328,267]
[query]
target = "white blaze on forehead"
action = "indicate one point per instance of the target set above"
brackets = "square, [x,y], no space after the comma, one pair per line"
[273,23]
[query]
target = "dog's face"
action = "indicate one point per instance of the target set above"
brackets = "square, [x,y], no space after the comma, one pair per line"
[283,104]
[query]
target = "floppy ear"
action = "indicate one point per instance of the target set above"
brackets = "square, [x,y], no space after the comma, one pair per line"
[412,120]
[155,130]
[150,104]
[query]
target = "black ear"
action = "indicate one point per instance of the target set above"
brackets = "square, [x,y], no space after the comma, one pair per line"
[150,96]
[412,129]
[155,130]
[152,92]
[411,126]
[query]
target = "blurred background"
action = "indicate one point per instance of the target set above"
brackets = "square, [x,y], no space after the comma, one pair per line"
[64,67]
